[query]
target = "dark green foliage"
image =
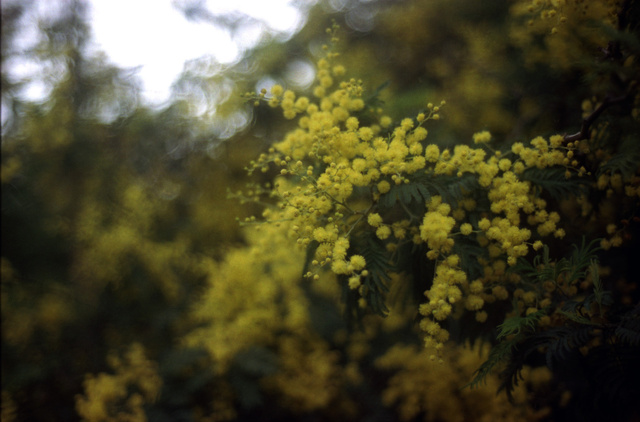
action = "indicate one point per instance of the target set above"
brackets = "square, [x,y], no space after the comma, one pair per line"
[499,353]
[248,367]
[584,321]
[183,380]
[628,328]
[522,329]
[503,352]
[310,253]
[469,250]
[516,325]
[374,284]
[454,188]
[422,188]
[594,302]
[561,342]
[405,193]
[574,268]
[626,161]
[519,354]
[373,100]
[555,183]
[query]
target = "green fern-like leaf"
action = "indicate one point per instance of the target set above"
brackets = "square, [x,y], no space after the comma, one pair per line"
[469,250]
[518,324]
[585,255]
[541,269]
[629,334]
[453,188]
[626,161]
[576,317]
[574,268]
[375,283]
[374,100]
[498,354]
[628,328]
[405,193]
[310,253]
[505,350]
[554,181]
[422,188]
[520,353]
[599,297]
[562,341]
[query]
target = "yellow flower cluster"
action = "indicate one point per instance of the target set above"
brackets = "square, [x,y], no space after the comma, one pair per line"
[444,293]
[255,300]
[436,227]
[49,314]
[556,11]
[107,248]
[238,308]
[9,408]
[309,377]
[335,171]
[503,235]
[563,23]
[419,388]
[110,398]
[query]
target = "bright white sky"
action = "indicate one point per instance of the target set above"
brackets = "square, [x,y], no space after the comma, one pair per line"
[155,36]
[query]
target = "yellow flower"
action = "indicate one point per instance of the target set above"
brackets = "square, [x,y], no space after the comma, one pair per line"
[383,232]
[277,90]
[442,312]
[352,123]
[340,267]
[481,137]
[406,124]
[517,148]
[504,164]
[481,316]
[385,121]
[358,262]
[453,260]
[431,327]
[326,81]
[301,104]
[339,70]
[474,303]
[354,282]
[476,286]
[500,293]
[365,133]
[374,220]
[556,140]
[432,153]
[384,186]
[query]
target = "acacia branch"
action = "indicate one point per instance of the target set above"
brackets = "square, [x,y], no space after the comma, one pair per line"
[588,121]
